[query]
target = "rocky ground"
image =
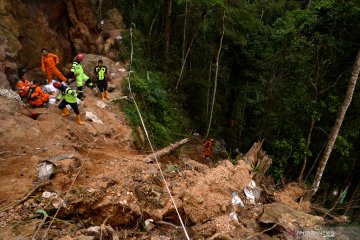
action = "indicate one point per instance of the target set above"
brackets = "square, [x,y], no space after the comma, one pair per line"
[108,189]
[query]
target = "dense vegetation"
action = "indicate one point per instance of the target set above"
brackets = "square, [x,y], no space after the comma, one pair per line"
[282,74]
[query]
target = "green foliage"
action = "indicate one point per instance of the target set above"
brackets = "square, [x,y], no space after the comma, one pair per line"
[162,117]
[283,66]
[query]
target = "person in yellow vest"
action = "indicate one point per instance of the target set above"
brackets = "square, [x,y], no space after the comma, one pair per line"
[80,76]
[69,97]
[102,77]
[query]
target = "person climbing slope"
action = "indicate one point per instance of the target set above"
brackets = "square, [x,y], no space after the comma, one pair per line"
[102,77]
[68,96]
[208,148]
[35,96]
[23,84]
[80,76]
[48,65]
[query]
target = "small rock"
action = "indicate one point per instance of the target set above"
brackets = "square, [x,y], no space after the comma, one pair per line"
[199,199]
[223,208]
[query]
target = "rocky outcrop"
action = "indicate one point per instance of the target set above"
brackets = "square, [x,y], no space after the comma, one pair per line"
[65,27]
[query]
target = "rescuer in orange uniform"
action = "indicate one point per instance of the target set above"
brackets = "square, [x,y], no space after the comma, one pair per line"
[23,84]
[36,97]
[208,147]
[48,65]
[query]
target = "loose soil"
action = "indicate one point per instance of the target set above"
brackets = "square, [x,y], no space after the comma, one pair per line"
[108,180]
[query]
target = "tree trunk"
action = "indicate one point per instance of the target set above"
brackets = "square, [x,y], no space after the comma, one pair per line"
[183,63]
[308,140]
[335,131]
[315,162]
[352,198]
[168,4]
[166,151]
[187,54]
[184,35]
[154,20]
[208,91]
[243,113]
[216,75]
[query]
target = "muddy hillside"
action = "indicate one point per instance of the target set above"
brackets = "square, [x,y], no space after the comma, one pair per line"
[63,180]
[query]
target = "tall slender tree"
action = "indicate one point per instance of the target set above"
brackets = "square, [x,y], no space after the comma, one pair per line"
[335,131]
[168,9]
[216,75]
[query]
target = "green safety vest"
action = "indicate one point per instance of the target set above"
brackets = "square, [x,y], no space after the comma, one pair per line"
[78,70]
[69,95]
[100,72]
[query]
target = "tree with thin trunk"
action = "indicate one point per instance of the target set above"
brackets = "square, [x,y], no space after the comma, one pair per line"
[183,62]
[184,35]
[208,90]
[335,131]
[168,6]
[216,75]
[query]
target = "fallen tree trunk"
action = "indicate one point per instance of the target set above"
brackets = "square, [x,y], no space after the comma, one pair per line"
[259,160]
[165,151]
[251,156]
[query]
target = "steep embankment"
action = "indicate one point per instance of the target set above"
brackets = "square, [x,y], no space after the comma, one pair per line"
[103,178]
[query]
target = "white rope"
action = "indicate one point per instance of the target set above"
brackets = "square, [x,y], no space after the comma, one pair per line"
[147,137]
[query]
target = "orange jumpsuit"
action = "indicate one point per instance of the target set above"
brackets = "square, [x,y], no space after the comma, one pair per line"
[37,97]
[208,147]
[48,65]
[23,87]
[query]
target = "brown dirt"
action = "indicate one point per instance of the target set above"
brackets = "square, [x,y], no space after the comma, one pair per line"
[292,196]
[114,181]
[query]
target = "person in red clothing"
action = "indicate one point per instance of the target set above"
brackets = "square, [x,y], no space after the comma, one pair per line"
[48,65]
[36,97]
[208,148]
[23,85]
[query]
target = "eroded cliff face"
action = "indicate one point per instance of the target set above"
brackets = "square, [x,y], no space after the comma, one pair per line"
[65,27]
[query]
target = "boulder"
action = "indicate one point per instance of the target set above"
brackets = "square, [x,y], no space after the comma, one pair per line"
[290,219]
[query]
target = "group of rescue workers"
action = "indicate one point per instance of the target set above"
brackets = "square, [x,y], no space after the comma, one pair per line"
[32,93]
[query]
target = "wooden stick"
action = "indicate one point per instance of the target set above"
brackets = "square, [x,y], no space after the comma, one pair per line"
[169,224]
[39,227]
[26,197]
[165,151]
[102,226]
